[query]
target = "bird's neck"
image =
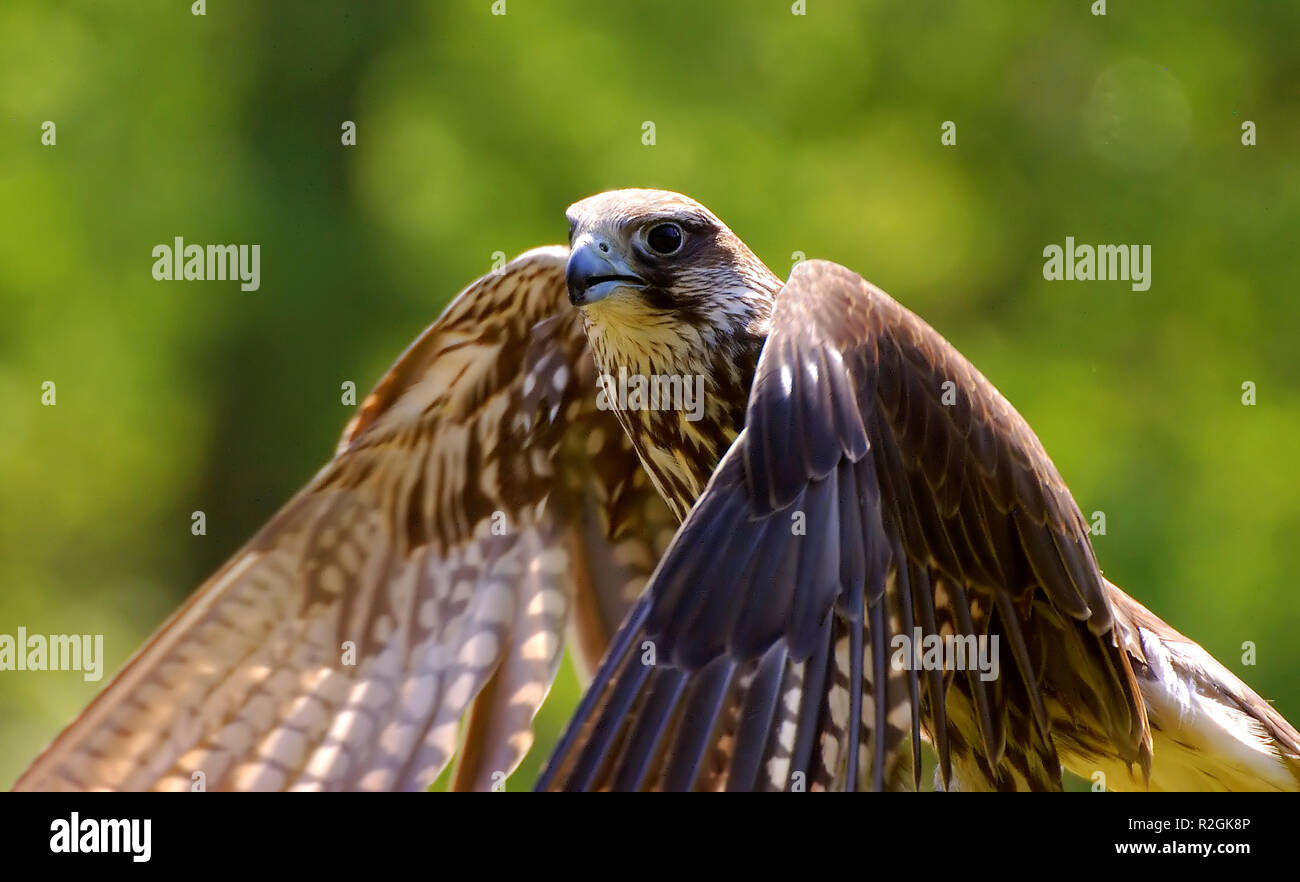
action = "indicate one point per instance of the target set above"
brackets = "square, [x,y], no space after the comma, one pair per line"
[679,390]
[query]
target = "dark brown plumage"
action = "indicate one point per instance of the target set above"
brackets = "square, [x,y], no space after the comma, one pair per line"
[752,661]
[947,517]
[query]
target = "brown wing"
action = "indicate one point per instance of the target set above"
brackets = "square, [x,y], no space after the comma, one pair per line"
[478,503]
[881,485]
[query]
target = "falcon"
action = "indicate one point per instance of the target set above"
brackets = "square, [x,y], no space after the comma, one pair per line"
[849,479]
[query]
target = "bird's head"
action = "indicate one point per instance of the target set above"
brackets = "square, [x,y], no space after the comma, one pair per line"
[644,263]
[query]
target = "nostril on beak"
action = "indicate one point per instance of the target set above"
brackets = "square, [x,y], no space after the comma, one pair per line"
[595,270]
[584,265]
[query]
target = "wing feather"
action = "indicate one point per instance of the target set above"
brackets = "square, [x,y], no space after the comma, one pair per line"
[929,504]
[479,506]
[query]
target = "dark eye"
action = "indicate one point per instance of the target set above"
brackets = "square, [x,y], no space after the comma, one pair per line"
[664,238]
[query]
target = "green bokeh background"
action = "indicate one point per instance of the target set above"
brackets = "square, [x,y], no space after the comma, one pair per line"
[817,134]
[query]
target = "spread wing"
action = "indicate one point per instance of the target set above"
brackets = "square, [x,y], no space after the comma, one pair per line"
[478,504]
[881,489]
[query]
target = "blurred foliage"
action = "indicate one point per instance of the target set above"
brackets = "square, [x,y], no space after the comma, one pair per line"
[816,133]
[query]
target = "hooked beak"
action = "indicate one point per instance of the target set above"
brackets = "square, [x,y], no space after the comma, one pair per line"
[596,270]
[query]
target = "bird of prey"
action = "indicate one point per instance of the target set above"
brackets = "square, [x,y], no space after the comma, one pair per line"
[847,479]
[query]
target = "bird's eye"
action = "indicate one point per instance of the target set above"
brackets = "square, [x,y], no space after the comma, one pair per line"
[664,238]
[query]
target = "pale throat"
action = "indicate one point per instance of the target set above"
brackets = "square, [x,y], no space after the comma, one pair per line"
[624,330]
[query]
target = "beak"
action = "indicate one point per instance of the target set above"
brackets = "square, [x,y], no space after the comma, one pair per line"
[596,270]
